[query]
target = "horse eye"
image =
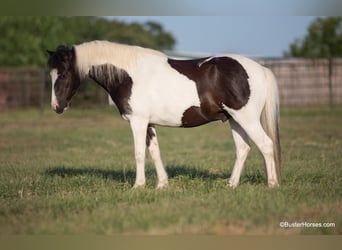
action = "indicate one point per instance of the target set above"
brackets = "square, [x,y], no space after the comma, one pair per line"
[62,76]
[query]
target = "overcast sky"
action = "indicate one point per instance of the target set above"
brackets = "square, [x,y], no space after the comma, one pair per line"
[261,36]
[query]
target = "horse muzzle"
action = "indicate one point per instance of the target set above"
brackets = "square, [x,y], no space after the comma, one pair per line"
[59,109]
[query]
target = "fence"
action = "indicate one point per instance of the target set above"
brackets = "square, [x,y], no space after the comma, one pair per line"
[22,87]
[305,82]
[302,82]
[31,87]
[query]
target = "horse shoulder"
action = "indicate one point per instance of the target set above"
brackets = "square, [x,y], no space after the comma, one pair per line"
[161,92]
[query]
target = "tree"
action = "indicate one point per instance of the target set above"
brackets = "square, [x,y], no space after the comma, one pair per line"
[323,39]
[24,40]
[162,38]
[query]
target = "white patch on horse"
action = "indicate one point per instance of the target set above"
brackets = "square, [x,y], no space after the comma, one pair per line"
[54,76]
[104,52]
[160,93]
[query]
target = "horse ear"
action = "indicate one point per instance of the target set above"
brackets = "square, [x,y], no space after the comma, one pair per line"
[50,52]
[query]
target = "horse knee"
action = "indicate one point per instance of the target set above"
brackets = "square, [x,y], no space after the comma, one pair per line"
[242,151]
[266,147]
[139,157]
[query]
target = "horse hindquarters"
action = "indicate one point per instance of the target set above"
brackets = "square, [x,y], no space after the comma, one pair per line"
[263,103]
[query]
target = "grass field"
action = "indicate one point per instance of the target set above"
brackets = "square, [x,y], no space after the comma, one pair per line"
[73,173]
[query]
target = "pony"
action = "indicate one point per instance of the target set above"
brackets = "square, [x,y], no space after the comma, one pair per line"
[151,89]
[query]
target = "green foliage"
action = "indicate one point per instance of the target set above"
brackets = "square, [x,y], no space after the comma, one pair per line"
[24,40]
[323,39]
[74,174]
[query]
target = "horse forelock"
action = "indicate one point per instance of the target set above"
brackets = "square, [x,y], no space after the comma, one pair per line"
[62,59]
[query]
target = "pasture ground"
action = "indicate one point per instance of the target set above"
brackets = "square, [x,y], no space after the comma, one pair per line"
[73,173]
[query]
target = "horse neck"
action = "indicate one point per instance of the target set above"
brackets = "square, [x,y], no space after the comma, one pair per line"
[102,52]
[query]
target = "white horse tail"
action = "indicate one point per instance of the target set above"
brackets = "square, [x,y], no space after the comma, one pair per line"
[270,117]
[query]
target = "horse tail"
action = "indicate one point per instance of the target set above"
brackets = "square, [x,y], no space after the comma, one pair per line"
[270,117]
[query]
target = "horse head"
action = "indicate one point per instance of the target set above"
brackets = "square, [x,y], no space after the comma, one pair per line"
[64,76]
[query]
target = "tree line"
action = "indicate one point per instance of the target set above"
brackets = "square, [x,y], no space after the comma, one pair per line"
[322,40]
[24,40]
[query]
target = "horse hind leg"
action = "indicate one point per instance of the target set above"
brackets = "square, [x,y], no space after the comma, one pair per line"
[242,146]
[153,146]
[250,122]
[265,145]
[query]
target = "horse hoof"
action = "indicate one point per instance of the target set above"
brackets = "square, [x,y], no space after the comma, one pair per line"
[232,185]
[273,184]
[138,186]
[162,185]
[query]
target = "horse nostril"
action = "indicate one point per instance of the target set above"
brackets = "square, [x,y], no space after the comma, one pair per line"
[59,111]
[54,106]
[57,108]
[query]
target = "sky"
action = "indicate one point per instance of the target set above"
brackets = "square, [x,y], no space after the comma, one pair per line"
[255,36]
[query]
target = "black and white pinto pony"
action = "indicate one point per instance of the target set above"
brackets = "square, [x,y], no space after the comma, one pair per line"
[151,89]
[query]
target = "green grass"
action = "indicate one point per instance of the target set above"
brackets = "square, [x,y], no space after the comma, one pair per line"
[73,173]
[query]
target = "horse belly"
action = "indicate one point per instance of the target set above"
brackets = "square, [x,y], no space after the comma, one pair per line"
[163,96]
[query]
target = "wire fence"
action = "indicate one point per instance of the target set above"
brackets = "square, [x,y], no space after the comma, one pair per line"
[302,82]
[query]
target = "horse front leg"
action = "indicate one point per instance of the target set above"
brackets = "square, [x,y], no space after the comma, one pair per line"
[153,146]
[139,129]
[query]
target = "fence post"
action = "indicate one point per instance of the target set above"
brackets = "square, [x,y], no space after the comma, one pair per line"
[330,65]
[42,90]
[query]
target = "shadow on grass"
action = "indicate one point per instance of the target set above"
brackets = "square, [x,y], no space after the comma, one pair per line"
[129,175]
[116,175]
